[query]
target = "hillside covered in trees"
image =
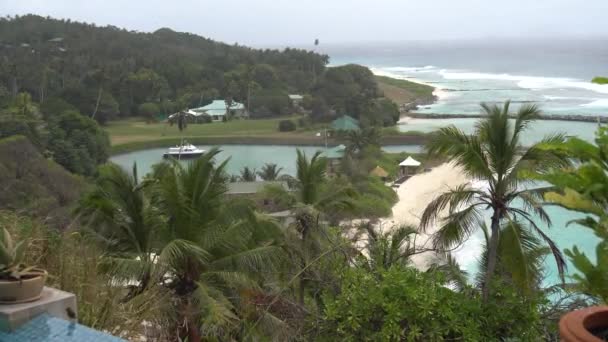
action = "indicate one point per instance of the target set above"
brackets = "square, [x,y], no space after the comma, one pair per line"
[108,73]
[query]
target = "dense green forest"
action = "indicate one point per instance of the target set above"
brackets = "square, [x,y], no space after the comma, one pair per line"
[108,72]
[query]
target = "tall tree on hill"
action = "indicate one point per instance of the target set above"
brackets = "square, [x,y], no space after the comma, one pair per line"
[494,154]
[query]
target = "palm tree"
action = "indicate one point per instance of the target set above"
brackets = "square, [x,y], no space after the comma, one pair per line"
[121,217]
[358,140]
[520,254]
[493,154]
[248,175]
[210,248]
[388,248]
[311,199]
[270,172]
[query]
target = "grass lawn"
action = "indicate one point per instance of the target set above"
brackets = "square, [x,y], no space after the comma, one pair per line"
[136,130]
[403,91]
[133,134]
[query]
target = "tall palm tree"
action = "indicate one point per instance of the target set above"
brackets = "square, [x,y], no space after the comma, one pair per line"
[210,250]
[493,154]
[360,139]
[311,199]
[270,172]
[119,214]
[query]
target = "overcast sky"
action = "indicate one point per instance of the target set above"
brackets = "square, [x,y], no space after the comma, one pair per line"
[283,22]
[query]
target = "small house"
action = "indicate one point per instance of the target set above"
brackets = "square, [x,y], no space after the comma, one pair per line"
[380,173]
[253,190]
[345,123]
[334,157]
[296,99]
[217,110]
[409,166]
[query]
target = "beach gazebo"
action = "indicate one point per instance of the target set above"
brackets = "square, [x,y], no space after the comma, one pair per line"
[379,172]
[409,166]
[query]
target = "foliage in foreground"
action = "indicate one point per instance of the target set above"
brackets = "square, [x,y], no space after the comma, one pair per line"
[585,189]
[405,304]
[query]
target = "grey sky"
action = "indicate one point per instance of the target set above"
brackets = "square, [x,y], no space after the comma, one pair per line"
[282,22]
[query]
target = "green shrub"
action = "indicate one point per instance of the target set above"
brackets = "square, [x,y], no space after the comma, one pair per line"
[287,126]
[600,80]
[148,110]
[400,305]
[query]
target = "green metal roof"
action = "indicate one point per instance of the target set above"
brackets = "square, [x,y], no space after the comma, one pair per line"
[236,188]
[345,123]
[335,152]
[221,105]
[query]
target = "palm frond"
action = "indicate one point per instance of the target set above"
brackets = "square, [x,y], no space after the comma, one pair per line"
[452,200]
[457,227]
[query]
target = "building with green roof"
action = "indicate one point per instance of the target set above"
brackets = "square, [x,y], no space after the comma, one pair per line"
[345,123]
[217,110]
[334,158]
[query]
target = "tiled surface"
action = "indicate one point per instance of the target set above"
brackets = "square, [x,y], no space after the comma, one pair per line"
[46,328]
[52,301]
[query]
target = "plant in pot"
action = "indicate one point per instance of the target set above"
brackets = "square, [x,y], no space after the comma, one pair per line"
[19,283]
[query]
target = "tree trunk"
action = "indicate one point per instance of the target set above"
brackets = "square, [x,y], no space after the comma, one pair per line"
[97,103]
[492,255]
[302,287]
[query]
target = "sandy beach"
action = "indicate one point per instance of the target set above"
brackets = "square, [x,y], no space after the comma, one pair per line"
[415,194]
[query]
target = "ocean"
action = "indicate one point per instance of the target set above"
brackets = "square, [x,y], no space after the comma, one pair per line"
[554,74]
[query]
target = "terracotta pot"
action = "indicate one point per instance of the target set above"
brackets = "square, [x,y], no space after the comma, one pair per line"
[21,291]
[577,326]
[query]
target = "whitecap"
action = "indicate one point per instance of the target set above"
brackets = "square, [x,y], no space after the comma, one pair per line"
[527,82]
[600,103]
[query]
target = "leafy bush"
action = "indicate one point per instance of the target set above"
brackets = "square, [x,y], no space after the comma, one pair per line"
[204,119]
[273,101]
[148,110]
[400,304]
[600,80]
[287,126]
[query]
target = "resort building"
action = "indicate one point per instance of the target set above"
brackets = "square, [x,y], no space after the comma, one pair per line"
[345,123]
[334,157]
[296,99]
[253,191]
[217,111]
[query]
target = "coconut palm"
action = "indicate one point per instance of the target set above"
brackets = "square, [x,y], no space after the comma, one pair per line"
[210,248]
[270,172]
[119,214]
[388,248]
[493,154]
[360,139]
[311,199]
[248,174]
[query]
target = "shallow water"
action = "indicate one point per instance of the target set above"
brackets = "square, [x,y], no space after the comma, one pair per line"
[538,130]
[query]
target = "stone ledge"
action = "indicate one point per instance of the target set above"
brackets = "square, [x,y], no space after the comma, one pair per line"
[55,302]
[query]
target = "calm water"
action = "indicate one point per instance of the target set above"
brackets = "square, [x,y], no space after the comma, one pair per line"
[253,156]
[553,74]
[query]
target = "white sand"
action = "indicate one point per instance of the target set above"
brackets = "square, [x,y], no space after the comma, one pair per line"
[415,194]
